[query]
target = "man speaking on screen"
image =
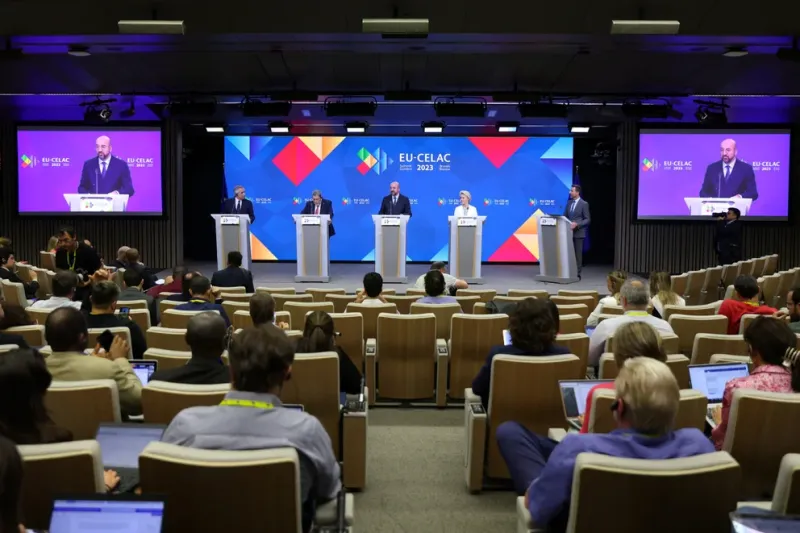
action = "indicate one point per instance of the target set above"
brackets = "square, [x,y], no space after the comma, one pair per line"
[105,174]
[730,177]
[395,203]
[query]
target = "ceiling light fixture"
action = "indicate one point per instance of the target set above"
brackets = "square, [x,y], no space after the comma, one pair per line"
[735,51]
[579,128]
[78,51]
[279,127]
[433,127]
[159,27]
[356,127]
[645,27]
[215,129]
[507,127]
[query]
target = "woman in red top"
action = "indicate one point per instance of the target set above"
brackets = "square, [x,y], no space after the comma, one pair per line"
[634,339]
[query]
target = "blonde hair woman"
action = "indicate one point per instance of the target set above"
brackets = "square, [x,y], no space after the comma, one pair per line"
[614,282]
[465,209]
[634,339]
[661,293]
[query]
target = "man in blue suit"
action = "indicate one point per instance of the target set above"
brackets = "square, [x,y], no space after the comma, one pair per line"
[319,206]
[395,203]
[729,178]
[105,174]
[577,211]
[239,205]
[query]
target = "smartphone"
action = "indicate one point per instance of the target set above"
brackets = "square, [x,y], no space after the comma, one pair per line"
[507,337]
[124,312]
[105,339]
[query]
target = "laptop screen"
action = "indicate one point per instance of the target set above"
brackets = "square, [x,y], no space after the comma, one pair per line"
[711,379]
[144,369]
[121,444]
[574,394]
[119,516]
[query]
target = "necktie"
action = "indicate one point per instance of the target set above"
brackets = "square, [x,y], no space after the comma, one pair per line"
[238,206]
[727,172]
[572,209]
[103,168]
[316,210]
[394,200]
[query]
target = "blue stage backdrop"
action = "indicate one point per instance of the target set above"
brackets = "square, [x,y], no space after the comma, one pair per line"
[513,180]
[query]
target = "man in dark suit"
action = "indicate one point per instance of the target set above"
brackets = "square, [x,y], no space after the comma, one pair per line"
[395,203]
[239,205]
[729,178]
[234,275]
[8,271]
[205,335]
[319,206]
[577,211]
[105,174]
[728,240]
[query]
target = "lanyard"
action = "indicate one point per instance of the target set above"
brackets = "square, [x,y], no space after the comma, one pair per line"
[247,403]
[74,260]
[198,301]
[637,313]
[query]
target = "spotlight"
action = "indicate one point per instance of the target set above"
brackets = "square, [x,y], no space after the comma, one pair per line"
[105,114]
[711,117]
[279,127]
[345,108]
[433,127]
[507,127]
[449,107]
[356,127]
[131,111]
[543,110]
[579,128]
[97,115]
[215,129]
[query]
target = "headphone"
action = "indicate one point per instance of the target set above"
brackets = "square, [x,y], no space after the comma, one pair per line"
[790,357]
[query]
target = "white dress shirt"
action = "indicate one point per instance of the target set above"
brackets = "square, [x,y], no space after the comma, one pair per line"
[595,316]
[55,302]
[471,211]
[597,342]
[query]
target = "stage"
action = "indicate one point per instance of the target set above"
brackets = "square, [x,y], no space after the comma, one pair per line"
[348,276]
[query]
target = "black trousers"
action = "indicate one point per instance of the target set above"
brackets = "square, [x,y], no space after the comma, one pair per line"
[578,243]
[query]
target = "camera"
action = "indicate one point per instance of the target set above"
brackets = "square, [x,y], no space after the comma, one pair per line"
[82,274]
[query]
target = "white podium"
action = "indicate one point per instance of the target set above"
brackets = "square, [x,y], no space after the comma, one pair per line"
[709,206]
[233,234]
[97,203]
[556,250]
[313,254]
[390,247]
[466,238]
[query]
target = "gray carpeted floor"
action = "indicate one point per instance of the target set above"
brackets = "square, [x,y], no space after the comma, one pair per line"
[415,478]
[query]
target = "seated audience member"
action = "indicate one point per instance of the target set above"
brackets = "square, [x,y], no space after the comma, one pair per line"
[768,340]
[10,488]
[205,334]
[52,244]
[793,307]
[452,284]
[120,261]
[634,298]
[8,271]
[662,293]
[262,311]
[634,339]
[234,275]
[14,316]
[10,338]
[134,263]
[186,283]
[203,298]
[647,401]
[133,290]
[614,283]
[319,336]
[744,302]
[373,287]
[64,284]
[435,290]
[173,283]
[5,242]
[78,257]
[66,333]
[533,332]
[104,304]
[260,361]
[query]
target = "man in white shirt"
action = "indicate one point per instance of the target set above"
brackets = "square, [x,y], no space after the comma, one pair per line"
[64,284]
[451,283]
[634,298]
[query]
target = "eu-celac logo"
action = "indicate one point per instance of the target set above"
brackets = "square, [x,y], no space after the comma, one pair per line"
[440,201]
[532,202]
[345,201]
[26,161]
[377,161]
[487,201]
[295,201]
[648,164]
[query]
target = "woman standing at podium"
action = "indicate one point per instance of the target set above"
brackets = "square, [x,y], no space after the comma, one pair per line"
[465,210]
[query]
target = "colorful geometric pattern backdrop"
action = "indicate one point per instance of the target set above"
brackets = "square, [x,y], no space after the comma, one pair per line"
[513,180]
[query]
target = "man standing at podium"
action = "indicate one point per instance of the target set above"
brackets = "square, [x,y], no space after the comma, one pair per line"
[395,203]
[577,212]
[105,174]
[730,177]
[320,206]
[239,205]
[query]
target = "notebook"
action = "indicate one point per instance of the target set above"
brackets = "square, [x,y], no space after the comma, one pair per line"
[573,396]
[143,369]
[711,380]
[101,513]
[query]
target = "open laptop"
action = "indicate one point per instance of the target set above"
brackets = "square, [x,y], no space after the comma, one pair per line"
[102,513]
[711,380]
[144,368]
[573,396]
[121,445]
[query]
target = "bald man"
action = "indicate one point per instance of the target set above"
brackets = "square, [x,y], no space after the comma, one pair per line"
[105,174]
[205,335]
[730,177]
[395,203]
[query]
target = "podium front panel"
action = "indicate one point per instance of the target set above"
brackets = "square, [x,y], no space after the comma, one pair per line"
[392,255]
[312,250]
[556,251]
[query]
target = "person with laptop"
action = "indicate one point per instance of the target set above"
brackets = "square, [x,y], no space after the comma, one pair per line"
[768,340]
[251,416]
[533,332]
[104,299]
[634,297]
[67,334]
[744,302]
[646,404]
[203,299]
[205,335]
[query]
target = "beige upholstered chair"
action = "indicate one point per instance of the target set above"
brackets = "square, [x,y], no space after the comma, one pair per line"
[485,295]
[162,400]
[710,290]
[241,297]
[231,306]
[523,389]
[443,313]
[588,300]
[415,292]
[615,310]
[51,470]
[758,266]
[39,315]
[707,344]
[572,324]
[319,294]
[299,310]
[578,345]
[600,480]
[14,293]
[164,304]
[179,319]
[730,273]
[508,299]
[4,348]
[403,303]
[370,314]
[687,327]
[691,411]
[340,301]
[749,267]
[140,317]
[242,319]
[693,310]
[80,406]
[471,338]
[769,289]
[167,339]
[679,283]
[133,304]
[678,363]
[191,478]
[168,359]
[786,496]
[350,327]
[694,287]
[572,293]
[45,282]
[537,293]
[277,290]
[468,301]
[722,358]
[574,309]
[771,265]
[760,432]
[784,286]
[384,292]
[281,299]
[120,331]
[231,290]
[47,260]
[745,321]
